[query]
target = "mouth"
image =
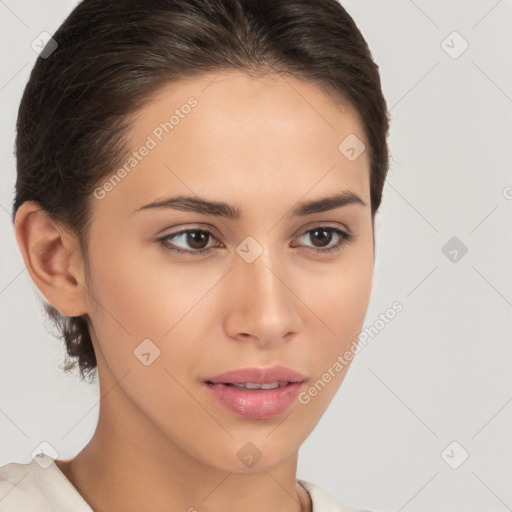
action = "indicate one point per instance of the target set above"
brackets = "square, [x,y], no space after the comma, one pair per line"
[255,393]
[254,385]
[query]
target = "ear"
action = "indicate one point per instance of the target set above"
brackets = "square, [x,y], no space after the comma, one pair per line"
[53,259]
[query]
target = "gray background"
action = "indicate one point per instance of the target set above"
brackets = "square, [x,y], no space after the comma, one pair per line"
[440,370]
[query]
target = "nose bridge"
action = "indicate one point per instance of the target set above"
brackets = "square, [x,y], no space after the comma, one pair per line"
[260,281]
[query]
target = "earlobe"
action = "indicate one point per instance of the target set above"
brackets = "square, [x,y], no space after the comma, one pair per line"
[51,257]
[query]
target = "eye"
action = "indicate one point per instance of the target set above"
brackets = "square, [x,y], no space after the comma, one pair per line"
[195,237]
[325,235]
[198,240]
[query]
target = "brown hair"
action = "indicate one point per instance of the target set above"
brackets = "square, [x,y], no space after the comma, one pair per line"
[111,55]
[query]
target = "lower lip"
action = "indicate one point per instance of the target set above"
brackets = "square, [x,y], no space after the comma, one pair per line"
[255,403]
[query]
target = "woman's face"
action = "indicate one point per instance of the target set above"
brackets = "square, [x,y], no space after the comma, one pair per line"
[165,323]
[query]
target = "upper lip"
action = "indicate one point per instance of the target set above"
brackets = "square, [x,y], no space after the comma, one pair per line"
[258,376]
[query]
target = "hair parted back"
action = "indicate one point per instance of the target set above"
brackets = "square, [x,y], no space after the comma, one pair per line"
[112,55]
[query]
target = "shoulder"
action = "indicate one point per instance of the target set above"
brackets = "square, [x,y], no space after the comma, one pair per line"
[19,489]
[37,486]
[323,501]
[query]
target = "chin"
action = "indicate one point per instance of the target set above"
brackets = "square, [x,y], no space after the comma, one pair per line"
[246,456]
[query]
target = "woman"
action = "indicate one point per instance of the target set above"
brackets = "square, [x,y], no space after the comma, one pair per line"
[196,192]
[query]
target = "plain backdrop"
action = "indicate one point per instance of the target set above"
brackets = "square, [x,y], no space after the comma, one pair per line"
[433,386]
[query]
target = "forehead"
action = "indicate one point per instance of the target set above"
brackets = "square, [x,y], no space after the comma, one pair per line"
[229,135]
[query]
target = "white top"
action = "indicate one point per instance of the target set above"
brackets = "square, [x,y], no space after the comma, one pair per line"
[40,486]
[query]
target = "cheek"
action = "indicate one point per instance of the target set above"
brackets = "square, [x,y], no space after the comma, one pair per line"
[135,301]
[136,296]
[124,303]
[341,296]
[340,303]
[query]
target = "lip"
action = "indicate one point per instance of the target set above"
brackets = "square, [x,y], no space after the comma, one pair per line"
[256,403]
[258,375]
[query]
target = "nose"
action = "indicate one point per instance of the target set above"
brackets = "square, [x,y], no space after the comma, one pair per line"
[262,306]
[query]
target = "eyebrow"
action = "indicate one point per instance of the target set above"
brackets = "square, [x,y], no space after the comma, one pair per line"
[220,209]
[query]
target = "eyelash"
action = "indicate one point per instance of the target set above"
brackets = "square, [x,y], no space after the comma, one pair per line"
[345,236]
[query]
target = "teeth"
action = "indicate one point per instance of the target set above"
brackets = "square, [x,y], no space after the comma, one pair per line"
[254,385]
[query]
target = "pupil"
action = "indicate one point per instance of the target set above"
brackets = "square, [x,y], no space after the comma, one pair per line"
[327,235]
[192,237]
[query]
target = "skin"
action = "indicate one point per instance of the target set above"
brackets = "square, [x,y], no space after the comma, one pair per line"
[262,145]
